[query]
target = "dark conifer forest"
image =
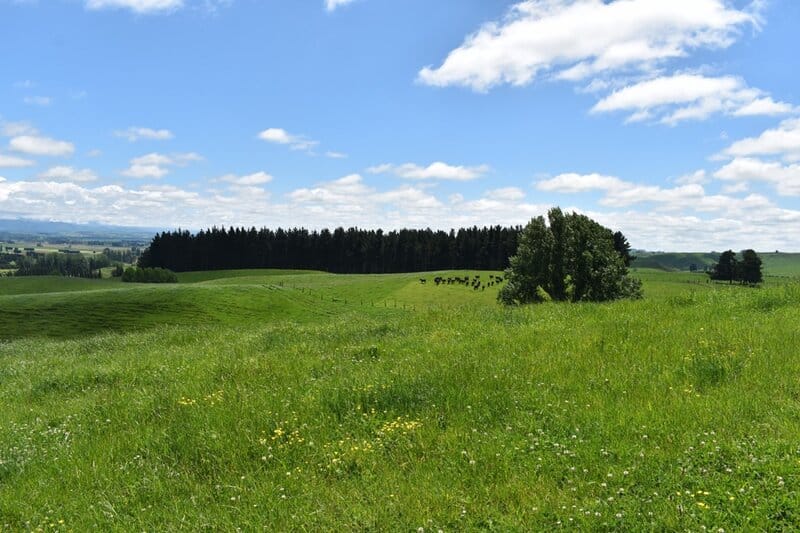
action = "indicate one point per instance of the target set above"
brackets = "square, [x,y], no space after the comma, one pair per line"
[355,251]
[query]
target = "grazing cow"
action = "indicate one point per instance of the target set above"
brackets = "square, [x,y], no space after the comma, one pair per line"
[423,281]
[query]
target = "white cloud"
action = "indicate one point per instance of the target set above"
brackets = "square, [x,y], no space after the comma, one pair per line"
[134,134]
[281,136]
[673,198]
[772,158]
[505,194]
[348,201]
[380,169]
[736,225]
[145,171]
[331,5]
[15,129]
[575,39]
[35,145]
[142,7]
[257,178]
[699,177]
[341,191]
[152,159]
[434,171]
[784,177]
[571,183]
[65,173]
[764,106]
[783,141]
[735,188]
[671,99]
[153,165]
[10,161]
[620,193]
[43,101]
[335,155]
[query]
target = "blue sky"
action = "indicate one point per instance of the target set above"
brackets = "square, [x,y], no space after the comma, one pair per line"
[676,121]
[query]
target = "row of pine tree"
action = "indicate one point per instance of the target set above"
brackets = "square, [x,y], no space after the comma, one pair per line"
[351,250]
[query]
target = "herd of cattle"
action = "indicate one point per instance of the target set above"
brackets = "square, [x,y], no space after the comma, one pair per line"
[475,282]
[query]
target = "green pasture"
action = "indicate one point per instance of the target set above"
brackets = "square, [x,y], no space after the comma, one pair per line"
[287,400]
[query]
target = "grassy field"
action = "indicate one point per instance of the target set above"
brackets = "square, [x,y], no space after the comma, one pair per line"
[285,400]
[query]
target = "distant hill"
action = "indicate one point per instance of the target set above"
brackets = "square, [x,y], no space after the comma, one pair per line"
[33,229]
[674,261]
[775,264]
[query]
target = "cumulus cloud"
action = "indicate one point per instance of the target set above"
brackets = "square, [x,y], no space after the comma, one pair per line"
[281,136]
[331,5]
[700,177]
[134,134]
[142,7]
[570,183]
[783,141]
[36,145]
[65,173]
[10,161]
[672,99]
[140,171]
[737,225]
[505,194]
[772,158]
[341,191]
[576,39]
[15,129]
[42,101]
[621,193]
[434,171]
[257,178]
[349,201]
[784,177]
[154,165]
[157,7]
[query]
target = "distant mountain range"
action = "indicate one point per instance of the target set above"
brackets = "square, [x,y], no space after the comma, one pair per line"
[22,228]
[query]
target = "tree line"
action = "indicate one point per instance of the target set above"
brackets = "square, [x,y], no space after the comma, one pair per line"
[353,250]
[59,264]
[746,270]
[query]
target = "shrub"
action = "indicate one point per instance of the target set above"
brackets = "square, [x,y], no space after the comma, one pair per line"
[149,275]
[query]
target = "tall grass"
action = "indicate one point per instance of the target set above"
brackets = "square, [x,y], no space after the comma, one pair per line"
[270,403]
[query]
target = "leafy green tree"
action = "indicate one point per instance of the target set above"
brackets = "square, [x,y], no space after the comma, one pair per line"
[749,268]
[559,229]
[531,269]
[725,269]
[572,259]
[623,248]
